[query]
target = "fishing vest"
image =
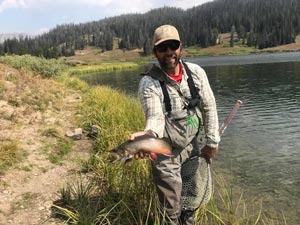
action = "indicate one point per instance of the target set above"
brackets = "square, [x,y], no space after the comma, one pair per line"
[182,126]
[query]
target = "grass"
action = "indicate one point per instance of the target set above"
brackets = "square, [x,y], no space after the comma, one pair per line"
[10,153]
[58,147]
[103,67]
[37,65]
[116,115]
[133,201]
[57,150]
[120,194]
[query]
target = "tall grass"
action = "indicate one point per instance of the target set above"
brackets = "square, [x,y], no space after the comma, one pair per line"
[123,194]
[103,67]
[116,114]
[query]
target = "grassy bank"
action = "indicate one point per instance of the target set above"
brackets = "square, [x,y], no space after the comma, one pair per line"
[119,194]
[103,67]
[124,194]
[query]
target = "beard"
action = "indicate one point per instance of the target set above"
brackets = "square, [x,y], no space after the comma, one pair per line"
[169,62]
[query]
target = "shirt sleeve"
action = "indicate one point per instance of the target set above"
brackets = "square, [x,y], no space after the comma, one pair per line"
[209,109]
[150,99]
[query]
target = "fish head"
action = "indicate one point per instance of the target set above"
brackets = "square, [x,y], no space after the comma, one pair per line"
[120,154]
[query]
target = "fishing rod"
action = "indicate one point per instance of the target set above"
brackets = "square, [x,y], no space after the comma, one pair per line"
[227,121]
[225,124]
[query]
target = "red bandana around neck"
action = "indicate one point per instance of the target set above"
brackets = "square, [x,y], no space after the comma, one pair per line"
[177,77]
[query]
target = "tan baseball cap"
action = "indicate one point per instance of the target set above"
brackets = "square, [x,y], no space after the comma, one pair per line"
[164,33]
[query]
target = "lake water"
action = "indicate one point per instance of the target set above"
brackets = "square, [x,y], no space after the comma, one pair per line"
[260,149]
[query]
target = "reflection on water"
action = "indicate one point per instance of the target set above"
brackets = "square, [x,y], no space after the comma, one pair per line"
[260,149]
[261,146]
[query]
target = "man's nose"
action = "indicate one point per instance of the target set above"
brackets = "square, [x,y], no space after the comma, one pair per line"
[169,50]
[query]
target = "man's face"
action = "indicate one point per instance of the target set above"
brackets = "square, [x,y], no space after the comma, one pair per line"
[168,54]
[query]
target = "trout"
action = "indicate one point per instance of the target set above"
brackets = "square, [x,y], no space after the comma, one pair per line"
[144,143]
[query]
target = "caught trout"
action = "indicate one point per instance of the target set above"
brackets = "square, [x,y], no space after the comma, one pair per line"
[144,143]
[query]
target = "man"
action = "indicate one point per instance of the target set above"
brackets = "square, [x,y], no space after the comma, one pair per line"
[178,102]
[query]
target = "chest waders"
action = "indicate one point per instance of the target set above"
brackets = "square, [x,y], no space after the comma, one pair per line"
[184,186]
[195,173]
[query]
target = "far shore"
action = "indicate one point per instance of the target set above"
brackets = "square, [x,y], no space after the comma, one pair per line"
[95,56]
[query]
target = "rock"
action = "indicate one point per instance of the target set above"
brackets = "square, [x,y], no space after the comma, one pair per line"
[75,134]
[94,131]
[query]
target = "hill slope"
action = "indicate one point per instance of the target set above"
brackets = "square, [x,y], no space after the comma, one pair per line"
[35,113]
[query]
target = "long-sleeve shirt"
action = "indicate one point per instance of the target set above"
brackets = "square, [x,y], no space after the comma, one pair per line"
[152,101]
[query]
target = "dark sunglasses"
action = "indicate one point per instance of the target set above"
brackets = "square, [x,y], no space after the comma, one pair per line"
[163,47]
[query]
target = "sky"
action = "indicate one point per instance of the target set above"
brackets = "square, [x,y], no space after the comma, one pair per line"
[38,16]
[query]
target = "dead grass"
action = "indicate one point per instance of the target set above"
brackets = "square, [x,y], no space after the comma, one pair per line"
[10,153]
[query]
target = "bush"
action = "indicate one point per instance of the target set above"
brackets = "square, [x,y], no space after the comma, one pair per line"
[37,65]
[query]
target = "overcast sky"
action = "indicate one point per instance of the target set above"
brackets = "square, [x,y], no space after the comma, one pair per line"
[35,16]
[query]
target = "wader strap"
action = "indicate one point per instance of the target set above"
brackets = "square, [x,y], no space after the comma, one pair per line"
[190,81]
[167,100]
[192,87]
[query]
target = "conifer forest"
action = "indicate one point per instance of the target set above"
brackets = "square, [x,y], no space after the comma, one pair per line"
[257,23]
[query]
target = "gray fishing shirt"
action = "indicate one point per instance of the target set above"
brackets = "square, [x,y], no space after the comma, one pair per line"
[152,101]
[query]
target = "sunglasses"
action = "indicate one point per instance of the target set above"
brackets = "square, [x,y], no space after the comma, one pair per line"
[163,47]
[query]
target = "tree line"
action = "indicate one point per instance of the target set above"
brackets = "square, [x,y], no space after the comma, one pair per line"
[258,23]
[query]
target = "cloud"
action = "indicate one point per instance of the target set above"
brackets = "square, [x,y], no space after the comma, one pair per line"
[6,4]
[43,4]
[184,4]
[109,5]
[31,15]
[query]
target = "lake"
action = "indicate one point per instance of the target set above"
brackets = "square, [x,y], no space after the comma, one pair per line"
[260,149]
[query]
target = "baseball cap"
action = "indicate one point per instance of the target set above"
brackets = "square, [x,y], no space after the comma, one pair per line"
[164,33]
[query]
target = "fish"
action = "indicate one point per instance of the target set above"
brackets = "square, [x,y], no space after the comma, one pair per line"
[145,143]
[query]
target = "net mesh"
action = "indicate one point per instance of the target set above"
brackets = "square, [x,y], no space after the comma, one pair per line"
[197,183]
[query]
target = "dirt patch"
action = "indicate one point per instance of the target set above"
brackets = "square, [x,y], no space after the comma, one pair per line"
[35,113]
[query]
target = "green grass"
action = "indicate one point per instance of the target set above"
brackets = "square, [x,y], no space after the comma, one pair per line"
[103,67]
[116,115]
[121,194]
[37,65]
[57,150]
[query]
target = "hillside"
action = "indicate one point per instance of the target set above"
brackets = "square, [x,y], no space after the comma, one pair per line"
[94,55]
[36,159]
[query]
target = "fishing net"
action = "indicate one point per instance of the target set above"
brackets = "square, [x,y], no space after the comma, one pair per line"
[197,183]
